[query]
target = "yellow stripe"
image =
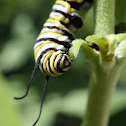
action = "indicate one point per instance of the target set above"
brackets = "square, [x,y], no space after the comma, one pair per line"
[52,63]
[49,32]
[57,58]
[77,1]
[52,31]
[63,19]
[38,48]
[66,5]
[45,66]
[43,44]
[55,22]
[61,62]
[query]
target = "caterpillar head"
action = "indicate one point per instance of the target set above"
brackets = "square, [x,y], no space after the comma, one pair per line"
[54,63]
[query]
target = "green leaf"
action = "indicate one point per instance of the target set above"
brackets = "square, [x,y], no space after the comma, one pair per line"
[74,50]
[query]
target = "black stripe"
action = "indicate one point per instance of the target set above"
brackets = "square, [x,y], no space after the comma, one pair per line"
[76,5]
[49,65]
[73,4]
[66,44]
[42,68]
[49,49]
[58,64]
[93,45]
[70,36]
[63,13]
[45,51]
[66,66]
[74,20]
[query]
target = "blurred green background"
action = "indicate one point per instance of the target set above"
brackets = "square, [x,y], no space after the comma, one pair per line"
[65,101]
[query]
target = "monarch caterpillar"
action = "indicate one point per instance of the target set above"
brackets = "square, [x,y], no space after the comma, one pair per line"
[54,41]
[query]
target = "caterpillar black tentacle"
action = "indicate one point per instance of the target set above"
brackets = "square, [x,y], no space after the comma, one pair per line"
[43,95]
[51,50]
[32,75]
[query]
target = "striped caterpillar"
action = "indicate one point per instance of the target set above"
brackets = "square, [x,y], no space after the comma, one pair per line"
[55,39]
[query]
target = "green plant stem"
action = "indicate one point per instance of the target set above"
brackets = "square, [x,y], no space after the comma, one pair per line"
[103,80]
[104,16]
[102,85]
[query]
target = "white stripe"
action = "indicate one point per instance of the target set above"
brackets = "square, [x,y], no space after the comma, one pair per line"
[50,45]
[60,7]
[43,57]
[54,29]
[39,43]
[49,35]
[55,53]
[41,61]
[55,36]
[59,37]
[56,14]
[55,24]
[51,24]
[63,38]
[44,48]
